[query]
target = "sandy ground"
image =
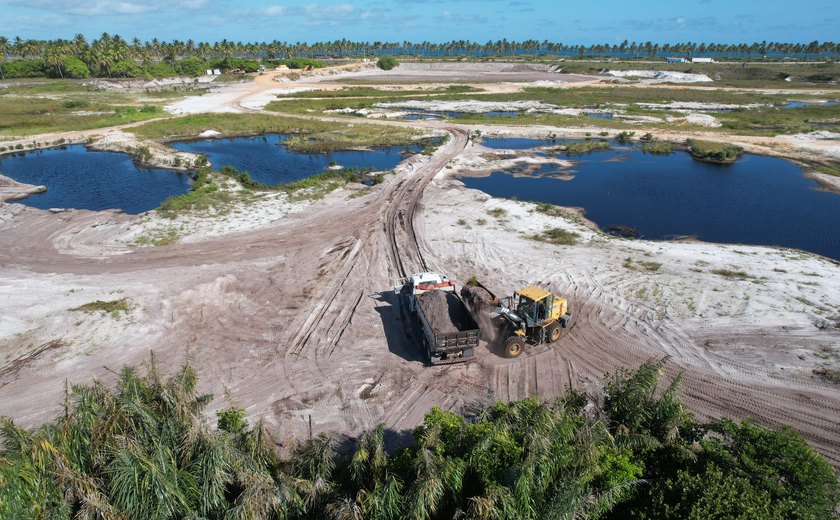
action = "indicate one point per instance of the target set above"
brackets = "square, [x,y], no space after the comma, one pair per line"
[291,315]
[465,72]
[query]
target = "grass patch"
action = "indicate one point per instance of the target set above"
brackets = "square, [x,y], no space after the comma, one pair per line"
[211,192]
[831,375]
[305,135]
[708,151]
[158,237]
[732,275]
[24,116]
[497,212]
[557,236]
[581,147]
[639,265]
[657,147]
[828,169]
[114,307]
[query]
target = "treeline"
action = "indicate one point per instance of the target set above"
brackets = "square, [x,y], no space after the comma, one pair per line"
[145,450]
[113,56]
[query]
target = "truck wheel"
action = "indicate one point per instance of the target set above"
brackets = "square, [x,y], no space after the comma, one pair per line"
[514,346]
[555,330]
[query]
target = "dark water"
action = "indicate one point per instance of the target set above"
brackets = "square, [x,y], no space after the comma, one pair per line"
[758,200]
[79,178]
[599,115]
[268,161]
[513,143]
[800,104]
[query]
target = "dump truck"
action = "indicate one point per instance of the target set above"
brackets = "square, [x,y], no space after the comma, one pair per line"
[532,315]
[448,332]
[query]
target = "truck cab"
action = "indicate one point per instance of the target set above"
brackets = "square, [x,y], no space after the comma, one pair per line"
[419,283]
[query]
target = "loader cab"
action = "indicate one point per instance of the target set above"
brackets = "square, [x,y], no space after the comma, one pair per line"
[537,306]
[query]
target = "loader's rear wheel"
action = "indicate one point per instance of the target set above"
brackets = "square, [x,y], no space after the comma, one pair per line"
[514,346]
[555,330]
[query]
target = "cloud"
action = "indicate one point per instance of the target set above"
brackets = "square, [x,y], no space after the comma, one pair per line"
[110,7]
[449,16]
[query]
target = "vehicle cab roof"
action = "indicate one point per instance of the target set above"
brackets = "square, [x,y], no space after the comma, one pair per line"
[533,292]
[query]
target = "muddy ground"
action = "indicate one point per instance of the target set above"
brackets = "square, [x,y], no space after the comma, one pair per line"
[294,318]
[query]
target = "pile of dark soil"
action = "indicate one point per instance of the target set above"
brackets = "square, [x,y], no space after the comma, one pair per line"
[445,312]
[477,298]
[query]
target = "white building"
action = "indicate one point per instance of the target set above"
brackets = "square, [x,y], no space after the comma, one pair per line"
[702,60]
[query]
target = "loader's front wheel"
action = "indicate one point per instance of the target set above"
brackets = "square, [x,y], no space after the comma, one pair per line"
[555,330]
[514,346]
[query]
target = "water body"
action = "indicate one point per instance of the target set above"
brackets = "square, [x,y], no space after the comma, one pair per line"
[514,143]
[269,162]
[758,200]
[800,104]
[79,178]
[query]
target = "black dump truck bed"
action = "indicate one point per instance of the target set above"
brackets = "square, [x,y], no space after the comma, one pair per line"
[445,312]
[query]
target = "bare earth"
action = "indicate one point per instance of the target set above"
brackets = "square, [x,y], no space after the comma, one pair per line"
[293,316]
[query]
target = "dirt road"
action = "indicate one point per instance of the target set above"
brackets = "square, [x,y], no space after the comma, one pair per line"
[297,322]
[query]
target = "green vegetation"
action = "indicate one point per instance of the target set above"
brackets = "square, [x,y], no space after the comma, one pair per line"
[654,146]
[625,136]
[729,273]
[305,135]
[27,110]
[114,307]
[298,63]
[557,236]
[210,194]
[709,151]
[831,375]
[387,62]
[145,450]
[158,237]
[497,212]
[581,147]
[637,265]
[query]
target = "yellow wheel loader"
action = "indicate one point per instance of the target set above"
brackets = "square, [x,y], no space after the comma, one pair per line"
[533,316]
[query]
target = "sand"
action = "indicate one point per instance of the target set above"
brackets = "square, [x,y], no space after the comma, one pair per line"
[293,318]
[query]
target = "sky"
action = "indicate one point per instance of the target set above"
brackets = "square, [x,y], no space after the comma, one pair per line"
[578,22]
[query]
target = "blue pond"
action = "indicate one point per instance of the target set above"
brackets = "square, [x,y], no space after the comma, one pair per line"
[800,104]
[268,161]
[758,200]
[79,178]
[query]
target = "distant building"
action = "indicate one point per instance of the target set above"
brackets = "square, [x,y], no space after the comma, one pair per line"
[702,60]
[676,60]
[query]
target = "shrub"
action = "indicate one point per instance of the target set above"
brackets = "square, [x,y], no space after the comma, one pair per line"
[387,62]
[74,67]
[127,69]
[231,420]
[191,67]
[299,63]
[708,151]
[24,69]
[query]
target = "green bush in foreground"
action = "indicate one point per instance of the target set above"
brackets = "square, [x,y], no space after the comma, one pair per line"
[145,450]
